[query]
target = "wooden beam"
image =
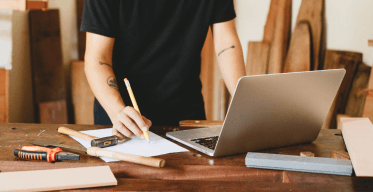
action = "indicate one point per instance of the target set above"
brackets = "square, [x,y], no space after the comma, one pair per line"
[281,37]
[23,5]
[46,62]
[82,95]
[358,137]
[4,96]
[207,74]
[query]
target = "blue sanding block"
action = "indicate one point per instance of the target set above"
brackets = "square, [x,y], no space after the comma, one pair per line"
[299,163]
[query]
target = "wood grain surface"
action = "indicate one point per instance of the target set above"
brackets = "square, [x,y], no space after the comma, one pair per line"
[281,37]
[257,58]
[269,28]
[46,59]
[81,34]
[4,96]
[207,74]
[358,136]
[356,99]
[299,55]
[82,95]
[335,60]
[312,12]
[188,170]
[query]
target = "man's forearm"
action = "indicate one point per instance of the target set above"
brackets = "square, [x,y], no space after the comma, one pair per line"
[104,85]
[229,54]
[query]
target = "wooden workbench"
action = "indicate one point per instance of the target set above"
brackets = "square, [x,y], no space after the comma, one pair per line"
[187,171]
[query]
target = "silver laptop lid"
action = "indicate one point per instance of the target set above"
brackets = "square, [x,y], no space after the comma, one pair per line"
[269,111]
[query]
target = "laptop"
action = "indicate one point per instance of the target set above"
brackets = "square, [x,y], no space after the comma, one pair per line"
[269,111]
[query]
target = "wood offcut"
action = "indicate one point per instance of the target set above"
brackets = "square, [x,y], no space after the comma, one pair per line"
[299,55]
[47,68]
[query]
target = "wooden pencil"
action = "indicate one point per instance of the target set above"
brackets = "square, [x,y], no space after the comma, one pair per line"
[134,103]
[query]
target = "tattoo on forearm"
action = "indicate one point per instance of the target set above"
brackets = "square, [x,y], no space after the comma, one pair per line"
[112,82]
[101,63]
[232,47]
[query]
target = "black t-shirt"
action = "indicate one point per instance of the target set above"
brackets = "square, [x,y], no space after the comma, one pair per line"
[158,47]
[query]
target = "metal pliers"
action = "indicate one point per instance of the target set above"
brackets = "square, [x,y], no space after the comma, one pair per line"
[43,153]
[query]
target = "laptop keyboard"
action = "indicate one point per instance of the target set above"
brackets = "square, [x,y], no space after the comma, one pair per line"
[209,142]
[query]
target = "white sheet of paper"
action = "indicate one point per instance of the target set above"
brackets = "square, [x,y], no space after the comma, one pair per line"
[135,145]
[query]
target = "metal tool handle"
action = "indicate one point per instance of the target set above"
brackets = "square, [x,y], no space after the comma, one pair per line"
[32,155]
[67,131]
[149,161]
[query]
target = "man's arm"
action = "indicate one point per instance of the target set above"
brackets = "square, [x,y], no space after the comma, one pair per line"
[229,53]
[98,69]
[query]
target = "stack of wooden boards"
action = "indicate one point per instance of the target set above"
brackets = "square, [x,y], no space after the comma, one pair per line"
[51,97]
[304,51]
[274,54]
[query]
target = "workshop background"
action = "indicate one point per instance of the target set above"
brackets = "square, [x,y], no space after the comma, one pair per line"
[345,29]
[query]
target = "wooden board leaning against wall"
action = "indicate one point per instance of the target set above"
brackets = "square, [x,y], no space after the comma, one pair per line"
[47,70]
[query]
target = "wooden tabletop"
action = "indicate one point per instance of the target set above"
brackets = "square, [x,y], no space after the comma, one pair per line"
[186,171]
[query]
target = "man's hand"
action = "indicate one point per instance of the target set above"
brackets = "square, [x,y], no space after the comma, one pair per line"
[129,123]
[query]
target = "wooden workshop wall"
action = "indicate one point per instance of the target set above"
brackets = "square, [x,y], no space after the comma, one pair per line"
[348,27]
[20,90]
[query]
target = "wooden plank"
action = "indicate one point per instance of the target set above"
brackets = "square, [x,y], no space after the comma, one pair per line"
[299,55]
[81,34]
[257,58]
[82,95]
[207,74]
[53,112]
[4,96]
[370,43]
[269,28]
[312,12]
[58,179]
[356,99]
[46,60]
[335,60]
[339,155]
[198,123]
[358,137]
[224,100]
[307,154]
[339,121]
[32,5]
[280,41]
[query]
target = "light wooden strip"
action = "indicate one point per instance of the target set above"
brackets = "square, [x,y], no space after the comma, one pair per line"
[312,12]
[280,41]
[370,43]
[58,179]
[358,137]
[207,74]
[299,55]
[82,95]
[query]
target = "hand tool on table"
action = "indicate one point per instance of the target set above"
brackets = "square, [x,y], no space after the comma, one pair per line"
[99,152]
[43,153]
[95,141]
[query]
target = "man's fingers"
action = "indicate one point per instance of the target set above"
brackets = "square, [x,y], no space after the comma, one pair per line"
[123,130]
[117,133]
[127,122]
[147,121]
[137,118]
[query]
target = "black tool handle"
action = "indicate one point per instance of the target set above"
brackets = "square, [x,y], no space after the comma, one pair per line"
[32,155]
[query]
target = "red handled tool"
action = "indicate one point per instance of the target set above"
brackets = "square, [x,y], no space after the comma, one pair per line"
[43,153]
